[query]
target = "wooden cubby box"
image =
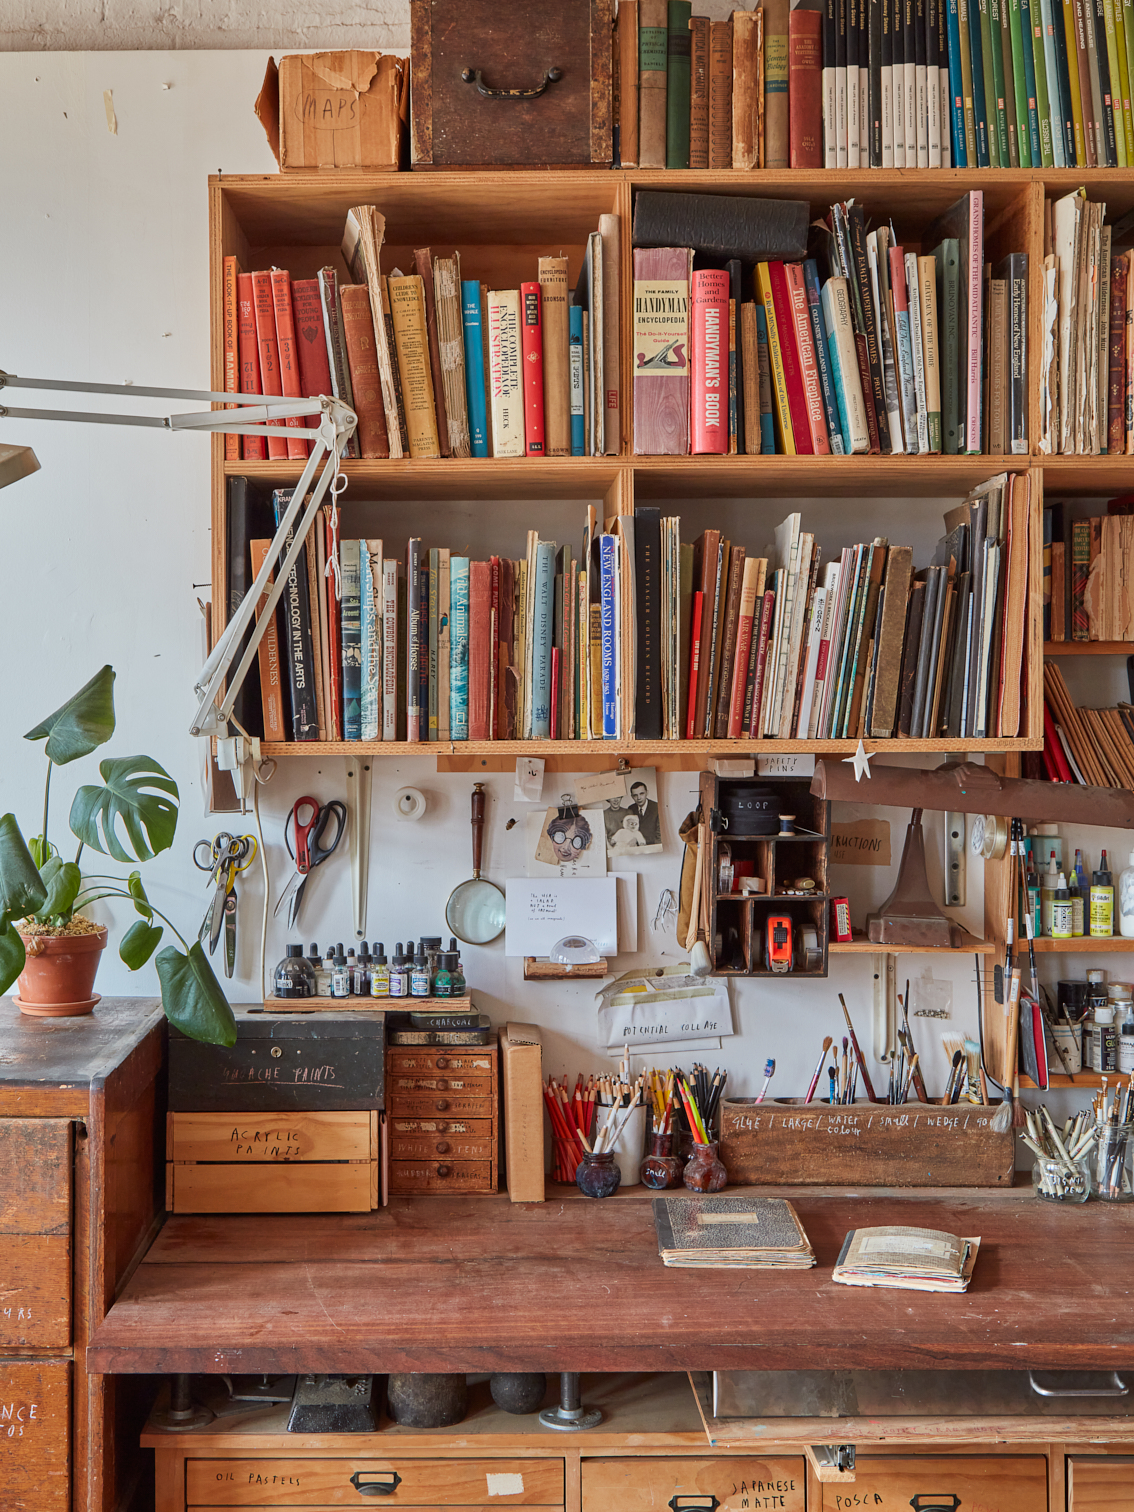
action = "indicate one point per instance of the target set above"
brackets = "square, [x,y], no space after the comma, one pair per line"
[501,223]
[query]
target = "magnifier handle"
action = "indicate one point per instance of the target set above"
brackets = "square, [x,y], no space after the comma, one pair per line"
[477,825]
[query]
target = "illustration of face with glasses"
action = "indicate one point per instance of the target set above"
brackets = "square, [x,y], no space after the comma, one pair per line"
[570,836]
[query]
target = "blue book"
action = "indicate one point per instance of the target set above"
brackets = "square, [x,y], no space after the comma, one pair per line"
[474,367]
[351,640]
[413,638]
[822,360]
[976,56]
[543,616]
[1028,30]
[836,366]
[370,621]
[767,425]
[956,88]
[575,355]
[608,585]
[459,648]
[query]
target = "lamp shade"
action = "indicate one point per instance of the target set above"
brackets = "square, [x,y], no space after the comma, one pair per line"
[16,462]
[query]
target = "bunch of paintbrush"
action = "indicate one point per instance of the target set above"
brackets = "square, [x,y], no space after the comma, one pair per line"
[1066,1145]
[1112,1110]
[966,1075]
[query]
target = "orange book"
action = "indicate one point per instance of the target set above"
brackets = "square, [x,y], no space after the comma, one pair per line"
[288,358]
[231,373]
[264,307]
[362,359]
[268,653]
[248,353]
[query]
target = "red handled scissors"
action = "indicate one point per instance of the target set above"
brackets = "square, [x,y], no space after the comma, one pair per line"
[308,823]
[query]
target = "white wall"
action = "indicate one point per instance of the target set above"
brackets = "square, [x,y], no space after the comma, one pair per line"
[103,252]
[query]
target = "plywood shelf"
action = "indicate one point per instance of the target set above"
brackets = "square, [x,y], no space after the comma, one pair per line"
[860,945]
[1088,648]
[477,752]
[1084,945]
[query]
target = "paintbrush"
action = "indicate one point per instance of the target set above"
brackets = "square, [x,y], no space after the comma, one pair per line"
[858,1055]
[844,1076]
[919,1080]
[832,1073]
[911,1071]
[954,1074]
[818,1070]
[769,1072]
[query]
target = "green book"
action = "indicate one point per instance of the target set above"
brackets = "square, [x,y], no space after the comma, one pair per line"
[948,259]
[1043,94]
[1121,26]
[434,600]
[678,84]
[990,95]
[1023,137]
[998,96]
[1116,93]
[1128,97]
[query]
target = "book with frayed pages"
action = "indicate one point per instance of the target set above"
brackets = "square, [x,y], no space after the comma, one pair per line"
[731,1232]
[908,1259]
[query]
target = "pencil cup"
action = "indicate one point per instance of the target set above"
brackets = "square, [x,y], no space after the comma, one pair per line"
[1111,1178]
[628,1150]
[598,1176]
[705,1173]
[1058,1181]
[661,1167]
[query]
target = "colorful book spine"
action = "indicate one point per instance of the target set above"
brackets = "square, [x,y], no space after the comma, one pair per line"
[474,367]
[298,645]
[907,382]
[506,388]
[413,639]
[264,305]
[389,648]
[782,408]
[531,350]
[254,448]
[268,654]
[764,367]
[808,359]
[350,560]
[608,549]
[543,601]
[709,343]
[823,357]
[230,348]
[459,648]
[662,278]
[575,358]
[370,638]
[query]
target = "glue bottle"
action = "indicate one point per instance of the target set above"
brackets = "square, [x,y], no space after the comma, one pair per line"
[379,972]
[1080,896]
[1102,900]
[1048,883]
[1061,913]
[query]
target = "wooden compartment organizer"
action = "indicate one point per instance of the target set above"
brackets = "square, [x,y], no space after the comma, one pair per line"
[501,222]
[442,1118]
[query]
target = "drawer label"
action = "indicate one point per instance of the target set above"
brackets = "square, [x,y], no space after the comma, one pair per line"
[505,1484]
[771,1494]
[15,1416]
[270,1144]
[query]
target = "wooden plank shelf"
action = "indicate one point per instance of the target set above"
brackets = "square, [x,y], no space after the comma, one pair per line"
[860,945]
[1088,648]
[1084,1079]
[1084,945]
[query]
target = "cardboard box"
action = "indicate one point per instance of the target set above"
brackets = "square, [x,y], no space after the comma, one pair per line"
[336,110]
[522,1055]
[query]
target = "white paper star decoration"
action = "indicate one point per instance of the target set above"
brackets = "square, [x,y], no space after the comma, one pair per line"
[861,763]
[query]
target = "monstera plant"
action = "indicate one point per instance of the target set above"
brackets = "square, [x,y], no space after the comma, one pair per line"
[130,816]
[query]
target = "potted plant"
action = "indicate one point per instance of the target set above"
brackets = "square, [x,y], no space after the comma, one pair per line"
[45,939]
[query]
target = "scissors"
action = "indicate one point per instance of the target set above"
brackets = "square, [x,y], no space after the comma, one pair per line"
[224,858]
[308,820]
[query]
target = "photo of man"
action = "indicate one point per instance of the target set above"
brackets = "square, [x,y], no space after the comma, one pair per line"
[649,820]
[632,820]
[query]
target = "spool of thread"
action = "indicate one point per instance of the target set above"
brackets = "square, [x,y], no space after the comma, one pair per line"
[409,803]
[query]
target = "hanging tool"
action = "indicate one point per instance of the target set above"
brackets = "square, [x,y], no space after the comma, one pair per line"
[224,859]
[308,822]
[359,774]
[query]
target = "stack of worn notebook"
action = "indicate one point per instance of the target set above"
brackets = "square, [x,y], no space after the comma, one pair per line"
[908,1259]
[731,1232]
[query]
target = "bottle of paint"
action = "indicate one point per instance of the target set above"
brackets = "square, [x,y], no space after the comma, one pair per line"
[1102,901]
[1061,910]
[379,973]
[399,974]
[419,977]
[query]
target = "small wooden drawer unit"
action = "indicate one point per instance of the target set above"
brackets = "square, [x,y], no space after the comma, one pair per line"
[942,1483]
[1100,1485]
[443,1119]
[418,1483]
[711,1483]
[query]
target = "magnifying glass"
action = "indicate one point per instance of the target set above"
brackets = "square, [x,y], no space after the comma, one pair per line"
[475,910]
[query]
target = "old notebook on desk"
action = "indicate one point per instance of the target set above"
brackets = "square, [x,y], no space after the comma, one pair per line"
[908,1259]
[728,1232]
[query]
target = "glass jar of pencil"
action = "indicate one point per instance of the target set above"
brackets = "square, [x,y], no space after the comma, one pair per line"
[598,1175]
[1112,1165]
[704,1171]
[1058,1180]
[661,1168]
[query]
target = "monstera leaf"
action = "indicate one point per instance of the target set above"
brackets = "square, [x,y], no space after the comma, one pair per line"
[63,880]
[192,996]
[82,724]
[22,890]
[139,943]
[129,794]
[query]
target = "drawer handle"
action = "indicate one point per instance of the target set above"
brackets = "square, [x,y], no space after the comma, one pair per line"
[475,76]
[441,1105]
[1119,1389]
[444,1170]
[694,1503]
[442,1084]
[441,1063]
[376,1487]
[442,1147]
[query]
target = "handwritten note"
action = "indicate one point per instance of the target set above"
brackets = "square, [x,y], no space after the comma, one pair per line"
[541,911]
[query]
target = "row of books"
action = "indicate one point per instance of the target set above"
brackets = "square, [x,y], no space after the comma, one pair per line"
[1094,747]
[978,83]
[433,364]
[1087,368]
[645,636]
[863,347]
[743,92]
[1088,574]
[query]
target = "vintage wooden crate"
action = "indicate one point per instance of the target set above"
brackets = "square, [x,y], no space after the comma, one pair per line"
[255,1162]
[280,1064]
[443,1122]
[531,88]
[872,1144]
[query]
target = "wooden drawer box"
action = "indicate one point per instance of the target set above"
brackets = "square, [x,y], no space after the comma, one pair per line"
[310,1482]
[35,1233]
[1100,1485]
[272,1162]
[451,1104]
[943,1483]
[443,1119]
[711,1484]
[442,1176]
[35,1437]
[409,1061]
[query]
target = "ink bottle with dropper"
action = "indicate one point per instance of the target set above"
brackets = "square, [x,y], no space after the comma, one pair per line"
[399,975]
[419,978]
[360,986]
[457,985]
[379,972]
[443,981]
[322,980]
[340,977]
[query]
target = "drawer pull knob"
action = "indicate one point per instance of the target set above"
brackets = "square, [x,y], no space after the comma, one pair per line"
[442,1147]
[694,1503]
[441,1105]
[475,76]
[444,1170]
[376,1487]
[441,1063]
[442,1085]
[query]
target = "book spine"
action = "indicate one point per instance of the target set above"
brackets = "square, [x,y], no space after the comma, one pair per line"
[874,12]
[973,275]
[480,653]
[389,648]
[854,143]
[999,86]
[805,94]
[917,342]
[781,405]
[263,303]
[1116,375]
[268,655]
[661,340]
[766,613]
[370,638]
[969,14]
[745,86]
[1056,110]
[699,92]
[608,548]
[431,645]
[841,84]
[776,126]
[921,103]
[300,649]
[653,39]
[230,355]
[964,129]
[790,358]
[830,117]
[336,347]
[980,19]
[575,375]
[1035,147]
[542,639]
[288,359]
[504,364]
[1120,84]
[366,386]
[709,343]
[1105,140]
[938,119]
[531,330]
[474,367]
[887,82]
[1045,90]
[254,448]
[720,94]
[845,365]
[1088,82]
[413,640]
[350,568]
[423,262]
[764,373]
[904,344]
[1017,409]
[407,305]
[808,359]
[927,296]
[1061,14]
[626,66]
[677,83]
[1126,11]
[556,365]
[459,648]
[823,357]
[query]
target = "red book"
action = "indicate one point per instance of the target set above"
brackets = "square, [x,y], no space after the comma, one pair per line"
[231,383]
[789,355]
[480,651]
[310,339]
[805,92]
[754,730]
[709,354]
[263,302]
[1052,741]
[531,335]
[808,366]
[365,383]
[268,655]
[334,626]
[248,351]
[289,359]
[694,662]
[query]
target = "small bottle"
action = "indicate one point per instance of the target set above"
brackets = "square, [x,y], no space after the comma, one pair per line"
[379,973]
[1126,901]
[419,977]
[399,975]
[326,972]
[315,961]
[1047,893]
[340,977]
[457,985]
[1103,1040]
[360,986]
[1061,910]
[1033,893]
[1080,897]
[293,977]
[443,981]
[431,949]
[351,966]
[1102,901]
[1126,1041]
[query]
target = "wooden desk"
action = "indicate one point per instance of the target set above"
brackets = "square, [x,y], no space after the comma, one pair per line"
[476,1284]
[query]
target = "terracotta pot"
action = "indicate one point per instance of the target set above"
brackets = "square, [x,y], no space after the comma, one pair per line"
[58,980]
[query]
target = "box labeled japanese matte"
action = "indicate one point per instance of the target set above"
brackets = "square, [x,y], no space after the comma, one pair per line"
[282,1063]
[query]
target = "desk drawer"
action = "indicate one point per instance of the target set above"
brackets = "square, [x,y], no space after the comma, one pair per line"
[240,1138]
[431,1147]
[1100,1485]
[943,1483]
[430,1104]
[441,1176]
[35,1436]
[299,1188]
[437,1128]
[738,1485]
[460,1082]
[294,1482]
[35,1233]
[408,1060]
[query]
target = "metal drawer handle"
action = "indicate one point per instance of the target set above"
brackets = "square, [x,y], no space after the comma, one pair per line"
[694,1503]
[376,1487]
[475,76]
[441,1105]
[1119,1389]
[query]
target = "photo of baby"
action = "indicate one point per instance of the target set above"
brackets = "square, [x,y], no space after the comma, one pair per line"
[633,823]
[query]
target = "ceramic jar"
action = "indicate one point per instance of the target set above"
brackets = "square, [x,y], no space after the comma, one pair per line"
[661,1167]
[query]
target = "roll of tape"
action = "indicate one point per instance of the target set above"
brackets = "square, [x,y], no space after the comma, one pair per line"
[409,803]
[812,955]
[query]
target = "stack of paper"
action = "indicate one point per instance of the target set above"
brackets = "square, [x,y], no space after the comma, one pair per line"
[731,1232]
[908,1259]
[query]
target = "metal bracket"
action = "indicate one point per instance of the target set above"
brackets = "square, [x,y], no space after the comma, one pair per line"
[954,860]
[885,1007]
[831,1462]
[359,774]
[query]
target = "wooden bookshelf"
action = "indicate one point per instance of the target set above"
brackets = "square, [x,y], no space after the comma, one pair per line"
[1088,648]
[1085,945]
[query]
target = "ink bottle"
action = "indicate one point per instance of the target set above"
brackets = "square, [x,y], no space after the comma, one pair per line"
[293,977]
[458,987]
[399,976]
[443,981]
[340,977]
[379,973]
[326,972]
[352,969]
[360,986]
[419,977]
[322,976]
